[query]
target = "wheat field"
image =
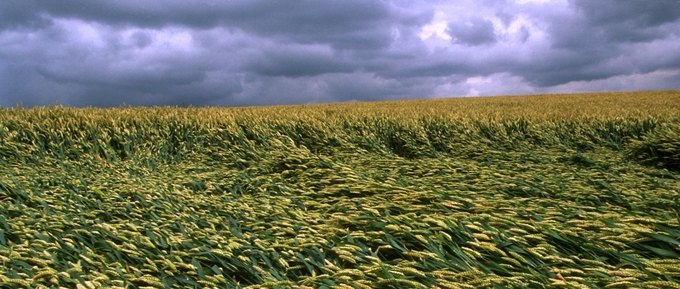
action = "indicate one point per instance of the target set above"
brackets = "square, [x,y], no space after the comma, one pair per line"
[546,191]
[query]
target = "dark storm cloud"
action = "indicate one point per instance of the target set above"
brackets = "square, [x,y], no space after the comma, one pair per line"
[476,31]
[104,53]
[629,21]
[348,24]
[299,61]
[275,39]
[607,22]
[524,34]
[594,39]
[141,39]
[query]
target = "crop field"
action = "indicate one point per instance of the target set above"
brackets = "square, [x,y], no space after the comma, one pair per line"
[547,191]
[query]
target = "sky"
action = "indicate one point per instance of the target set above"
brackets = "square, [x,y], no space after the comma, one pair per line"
[109,53]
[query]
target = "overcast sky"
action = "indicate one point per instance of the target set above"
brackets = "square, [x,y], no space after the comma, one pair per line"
[252,52]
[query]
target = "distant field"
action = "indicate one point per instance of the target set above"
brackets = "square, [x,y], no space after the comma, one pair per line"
[573,191]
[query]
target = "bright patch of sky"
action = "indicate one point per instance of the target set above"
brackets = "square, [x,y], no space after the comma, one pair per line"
[438,27]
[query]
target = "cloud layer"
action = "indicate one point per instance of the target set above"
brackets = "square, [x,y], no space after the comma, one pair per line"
[233,53]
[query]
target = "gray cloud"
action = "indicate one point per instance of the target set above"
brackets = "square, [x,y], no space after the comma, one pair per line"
[476,31]
[593,39]
[629,21]
[523,34]
[349,24]
[105,53]
[297,61]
